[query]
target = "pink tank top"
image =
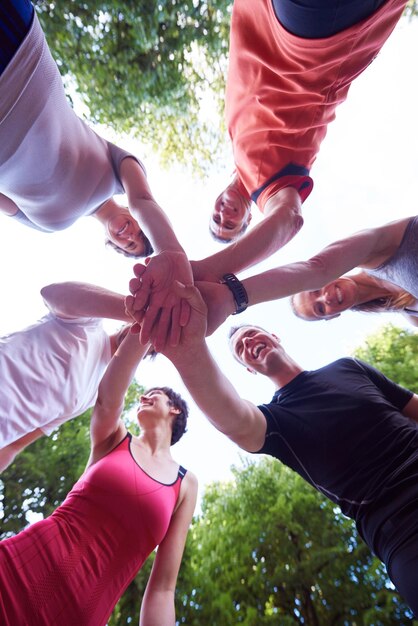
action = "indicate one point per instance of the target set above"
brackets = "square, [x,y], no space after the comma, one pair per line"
[71,568]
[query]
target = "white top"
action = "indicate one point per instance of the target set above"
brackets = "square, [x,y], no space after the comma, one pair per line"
[52,165]
[50,373]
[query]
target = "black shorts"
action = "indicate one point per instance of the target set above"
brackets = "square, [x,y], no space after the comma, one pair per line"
[314,19]
[15,20]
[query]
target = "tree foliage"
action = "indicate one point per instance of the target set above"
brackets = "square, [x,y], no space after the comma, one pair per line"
[145,67]
[268,549]
[42,475]
[412,8]
[393,351]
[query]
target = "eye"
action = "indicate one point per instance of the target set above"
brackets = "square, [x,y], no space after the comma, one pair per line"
[216,219]
[320,309]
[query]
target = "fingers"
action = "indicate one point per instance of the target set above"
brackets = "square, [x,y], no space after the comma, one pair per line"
[184,315]
[191,295]
[161,328]
[175,331]
[139,269]
[141,289]
[135,285]
[150,319]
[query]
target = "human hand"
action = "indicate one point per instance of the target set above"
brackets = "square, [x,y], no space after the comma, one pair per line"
[154,304]
[193,334]
[219,302]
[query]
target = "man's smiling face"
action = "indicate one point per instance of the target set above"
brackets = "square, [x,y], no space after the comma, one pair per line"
[255,348]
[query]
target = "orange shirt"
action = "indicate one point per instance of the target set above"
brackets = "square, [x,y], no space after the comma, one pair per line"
[282,91]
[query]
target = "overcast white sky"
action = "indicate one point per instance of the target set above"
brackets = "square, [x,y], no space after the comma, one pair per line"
[364,176]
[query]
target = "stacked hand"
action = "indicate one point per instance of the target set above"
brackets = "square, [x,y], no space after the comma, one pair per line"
[154,304]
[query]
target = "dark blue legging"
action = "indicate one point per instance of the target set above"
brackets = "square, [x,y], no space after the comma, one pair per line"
[15,20]
[403,570]
[313,19]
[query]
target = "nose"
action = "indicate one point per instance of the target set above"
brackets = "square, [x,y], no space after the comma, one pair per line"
[325,298]
[247,341]
[227,209]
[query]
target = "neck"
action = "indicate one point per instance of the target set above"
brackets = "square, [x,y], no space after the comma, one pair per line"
[156,439]
[370,288]
[105,210]
[286,372]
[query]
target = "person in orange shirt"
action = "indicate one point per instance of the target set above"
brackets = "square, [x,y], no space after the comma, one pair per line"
[290,66]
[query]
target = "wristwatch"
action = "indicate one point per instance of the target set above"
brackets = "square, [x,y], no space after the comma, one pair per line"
[238,291]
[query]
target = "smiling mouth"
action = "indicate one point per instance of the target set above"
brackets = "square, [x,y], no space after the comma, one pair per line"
[255,352]
[339,295]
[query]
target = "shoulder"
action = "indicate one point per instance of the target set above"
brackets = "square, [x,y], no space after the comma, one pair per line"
[189,483]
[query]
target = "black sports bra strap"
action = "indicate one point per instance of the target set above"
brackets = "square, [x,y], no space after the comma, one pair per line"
[182,472]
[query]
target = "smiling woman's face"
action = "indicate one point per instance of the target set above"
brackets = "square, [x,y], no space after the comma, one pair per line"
[125,233]
[327,302]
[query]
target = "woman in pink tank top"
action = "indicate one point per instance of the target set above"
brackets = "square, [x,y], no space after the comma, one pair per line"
[72,567]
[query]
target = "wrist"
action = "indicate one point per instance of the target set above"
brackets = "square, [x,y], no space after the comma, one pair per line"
[238,291]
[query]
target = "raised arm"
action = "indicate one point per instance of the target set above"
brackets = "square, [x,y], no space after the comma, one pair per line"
[366,249]
[238,419]
[282,220]
[75,299]
[158,603]
[106,428]
[168,265]
[7,206]
[145,209]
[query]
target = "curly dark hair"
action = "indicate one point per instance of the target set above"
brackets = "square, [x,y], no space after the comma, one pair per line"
[179,425]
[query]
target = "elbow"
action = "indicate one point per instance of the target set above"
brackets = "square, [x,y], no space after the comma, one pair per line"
[296,221]
[50,293]
[319,271]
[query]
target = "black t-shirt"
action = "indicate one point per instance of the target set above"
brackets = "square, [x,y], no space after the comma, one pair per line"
[341,428]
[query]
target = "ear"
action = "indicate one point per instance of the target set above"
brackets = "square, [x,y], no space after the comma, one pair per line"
[249,216]
[175,411]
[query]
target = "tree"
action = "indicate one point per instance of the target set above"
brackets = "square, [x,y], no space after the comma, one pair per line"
[412,8]
[268,549]
[42,475]
[393,351]
[146,67]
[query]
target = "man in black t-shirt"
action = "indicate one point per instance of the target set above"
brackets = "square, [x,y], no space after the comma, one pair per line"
[345,428]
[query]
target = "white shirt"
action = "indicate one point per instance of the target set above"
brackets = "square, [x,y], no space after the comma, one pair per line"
[52,164]
[50,373]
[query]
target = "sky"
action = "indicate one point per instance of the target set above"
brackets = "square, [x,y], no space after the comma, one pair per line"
[365,175]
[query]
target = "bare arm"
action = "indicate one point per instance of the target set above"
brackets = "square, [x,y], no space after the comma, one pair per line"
[411,409]
[170,264]
[282,220]
[158,602]
[238,419]
[7,206]
[145,209]
[9,452]
[106,427]
[74,299]
[367,248]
